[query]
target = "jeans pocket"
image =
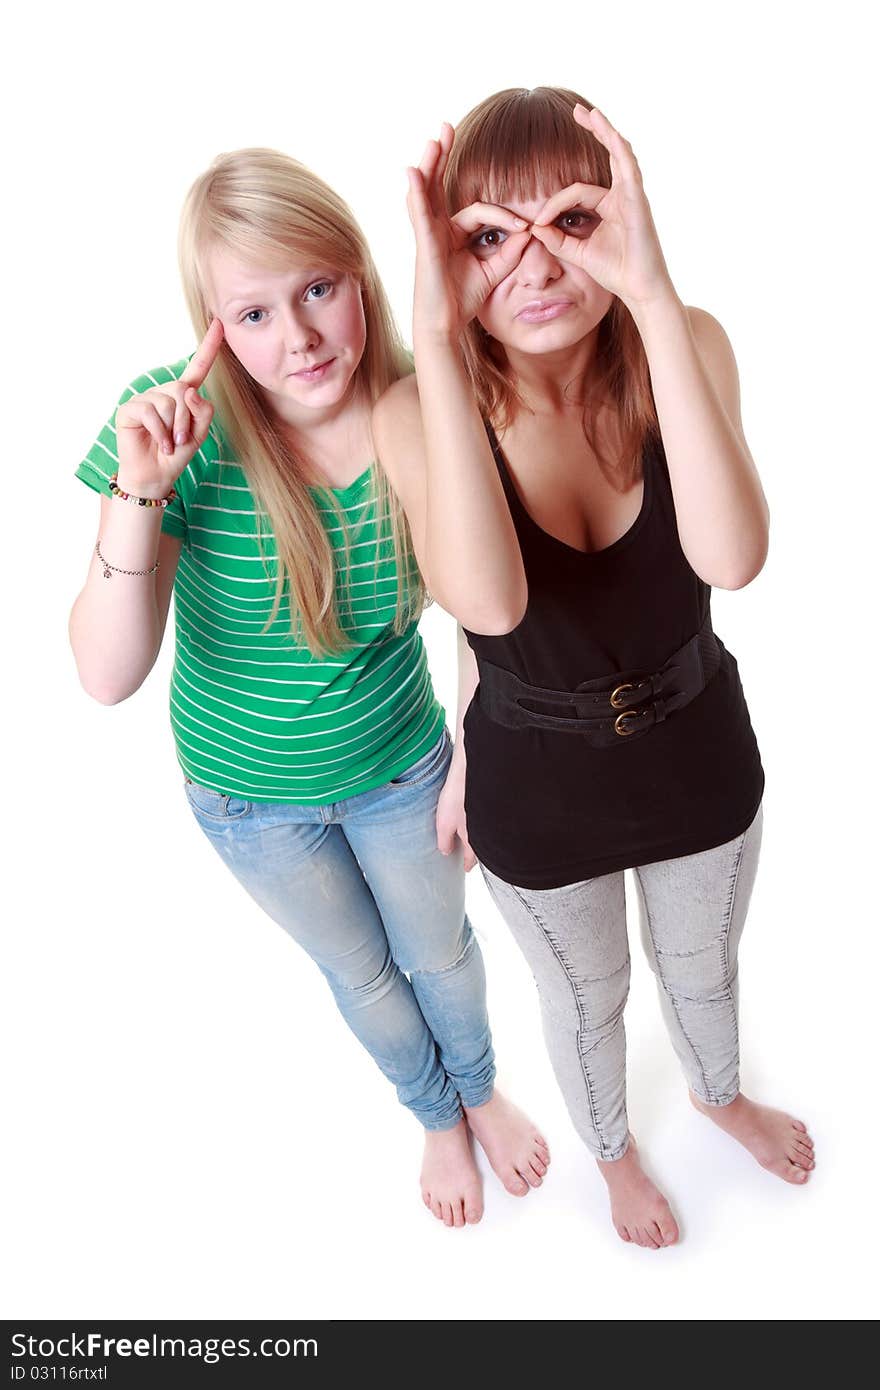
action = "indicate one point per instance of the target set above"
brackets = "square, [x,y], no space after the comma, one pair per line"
[427,765]
[219,807]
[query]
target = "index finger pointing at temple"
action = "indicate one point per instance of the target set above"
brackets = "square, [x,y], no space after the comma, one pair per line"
[204,356]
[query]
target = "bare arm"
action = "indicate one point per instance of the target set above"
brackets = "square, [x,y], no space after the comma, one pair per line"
[116,624]
[462,531]
[451,819]
[432,441]
[722,514]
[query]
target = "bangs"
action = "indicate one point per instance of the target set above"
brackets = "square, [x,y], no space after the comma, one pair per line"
[519,145]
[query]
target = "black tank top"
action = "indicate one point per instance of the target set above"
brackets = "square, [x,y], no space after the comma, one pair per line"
[543,809]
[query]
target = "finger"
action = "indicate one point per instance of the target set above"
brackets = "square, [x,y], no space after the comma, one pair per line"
[204,356]
[623,160]
[156,427]
[182,424]
[427,168]
[470,858]
[506,258]
[202,413]
[419,209]
[447,137]
[566,248]
[164,406]
[445,838]
[577,195]
[481,216]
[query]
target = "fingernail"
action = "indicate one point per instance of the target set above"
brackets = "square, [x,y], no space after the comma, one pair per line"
[180,437]
[520,222]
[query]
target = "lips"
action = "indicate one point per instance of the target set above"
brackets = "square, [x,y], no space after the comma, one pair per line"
[542,310]
[316,372]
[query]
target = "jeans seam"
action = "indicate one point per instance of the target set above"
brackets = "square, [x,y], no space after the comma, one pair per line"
[669,994]
[580,1010]
[725,940]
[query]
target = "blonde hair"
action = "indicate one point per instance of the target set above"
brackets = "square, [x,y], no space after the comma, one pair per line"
[266,207]
[518,145]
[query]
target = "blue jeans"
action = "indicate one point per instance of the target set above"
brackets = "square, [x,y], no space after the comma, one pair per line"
[362,887]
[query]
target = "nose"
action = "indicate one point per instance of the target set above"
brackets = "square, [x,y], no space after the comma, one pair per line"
[300,336]
[537,267]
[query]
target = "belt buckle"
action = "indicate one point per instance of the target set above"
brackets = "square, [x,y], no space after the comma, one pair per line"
[615,698]
[624,729]
[621,727]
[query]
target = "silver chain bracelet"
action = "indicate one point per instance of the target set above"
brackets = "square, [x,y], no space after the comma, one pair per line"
[115,568]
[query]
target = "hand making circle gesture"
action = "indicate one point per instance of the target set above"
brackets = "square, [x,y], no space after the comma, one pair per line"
[159,430]
[452,281]
[622,252]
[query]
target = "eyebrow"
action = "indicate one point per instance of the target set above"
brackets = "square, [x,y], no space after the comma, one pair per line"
[254,295]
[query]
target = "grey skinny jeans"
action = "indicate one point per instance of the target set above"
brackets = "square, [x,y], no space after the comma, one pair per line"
[692,912]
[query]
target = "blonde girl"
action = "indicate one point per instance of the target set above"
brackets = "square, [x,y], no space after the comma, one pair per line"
[312,746]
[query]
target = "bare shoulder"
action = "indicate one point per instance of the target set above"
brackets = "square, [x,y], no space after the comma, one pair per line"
[716,351]
[397,424]
[399,402]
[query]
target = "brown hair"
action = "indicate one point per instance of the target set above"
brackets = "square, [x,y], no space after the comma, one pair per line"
[267,207]
[518,145]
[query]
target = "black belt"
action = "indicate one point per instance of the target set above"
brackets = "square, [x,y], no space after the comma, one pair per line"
[608,710]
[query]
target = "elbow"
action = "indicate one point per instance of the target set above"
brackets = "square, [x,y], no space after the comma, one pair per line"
[105,692]
[495,618]
[742,570]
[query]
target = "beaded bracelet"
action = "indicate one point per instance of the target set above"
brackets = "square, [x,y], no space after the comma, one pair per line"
[139,501]
[115,568]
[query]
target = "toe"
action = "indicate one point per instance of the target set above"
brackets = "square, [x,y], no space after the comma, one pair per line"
[516,1185]
[650,1241]
[800,1159]
[668,1231]
[538,1168]
[458,1213]
[436,1209]
[472,1213]
[533,1178]
[795,1174]
[799,1124]
[447,1214]
[624,1234]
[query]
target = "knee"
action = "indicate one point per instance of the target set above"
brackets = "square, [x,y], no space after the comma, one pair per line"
[368,984]
[439,955]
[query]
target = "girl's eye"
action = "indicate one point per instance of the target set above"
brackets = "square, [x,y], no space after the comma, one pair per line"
[577,223]
[319,290]
[488,240]
[254,316]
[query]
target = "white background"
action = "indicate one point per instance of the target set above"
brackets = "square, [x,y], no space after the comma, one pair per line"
[191,1130]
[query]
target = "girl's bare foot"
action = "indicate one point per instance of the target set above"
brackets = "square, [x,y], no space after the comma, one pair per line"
[451,1186]
[517,1152]
[779,1142]
[639,1210]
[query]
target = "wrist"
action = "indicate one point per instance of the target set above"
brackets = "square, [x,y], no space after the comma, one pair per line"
[436,338]
[663,308]
[151,489]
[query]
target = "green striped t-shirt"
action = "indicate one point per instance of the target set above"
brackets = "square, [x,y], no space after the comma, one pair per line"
[253,713]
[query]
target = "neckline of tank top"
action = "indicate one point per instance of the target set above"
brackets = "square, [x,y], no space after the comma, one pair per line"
[622,541]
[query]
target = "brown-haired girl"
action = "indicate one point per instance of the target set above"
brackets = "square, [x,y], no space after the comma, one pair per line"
[576,478]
